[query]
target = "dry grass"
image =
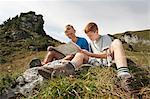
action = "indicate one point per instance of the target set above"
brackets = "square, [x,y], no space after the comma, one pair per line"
[19,63]
[140,58]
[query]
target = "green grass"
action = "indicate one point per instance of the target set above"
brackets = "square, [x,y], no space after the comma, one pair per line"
[140,58]
[93,83]
[88,84]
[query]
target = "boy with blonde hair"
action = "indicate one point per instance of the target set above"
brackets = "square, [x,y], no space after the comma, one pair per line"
[104,51]
[70,33]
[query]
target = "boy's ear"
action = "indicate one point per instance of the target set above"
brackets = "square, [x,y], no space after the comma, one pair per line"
[96,31]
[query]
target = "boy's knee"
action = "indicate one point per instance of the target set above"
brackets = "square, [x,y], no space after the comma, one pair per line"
[50,48]
[116,42]
[80,54]
[51,53]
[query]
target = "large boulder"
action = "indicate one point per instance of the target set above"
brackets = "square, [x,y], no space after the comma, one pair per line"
[31,21]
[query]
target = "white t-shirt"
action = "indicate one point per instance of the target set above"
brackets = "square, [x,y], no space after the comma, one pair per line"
[100,45]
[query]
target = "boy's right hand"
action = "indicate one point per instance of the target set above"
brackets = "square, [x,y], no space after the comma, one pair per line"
[85,52]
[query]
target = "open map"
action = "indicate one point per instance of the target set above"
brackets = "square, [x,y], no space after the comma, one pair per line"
[65,49]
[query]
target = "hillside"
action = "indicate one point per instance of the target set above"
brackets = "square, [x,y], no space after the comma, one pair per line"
[137,41]
[23,38]
[23,33]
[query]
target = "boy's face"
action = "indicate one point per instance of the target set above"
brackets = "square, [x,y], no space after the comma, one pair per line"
[70,32]
[92,35]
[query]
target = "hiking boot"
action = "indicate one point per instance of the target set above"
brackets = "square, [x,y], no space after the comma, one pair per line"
[65,69]
[46,73]
[126,84]
[35,63]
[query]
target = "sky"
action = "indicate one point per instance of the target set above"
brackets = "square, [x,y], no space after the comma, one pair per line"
[111,16]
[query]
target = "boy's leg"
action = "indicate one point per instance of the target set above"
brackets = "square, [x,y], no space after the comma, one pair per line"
[51,55]
[79,59]
[119,54]
[65,68]
[121,63]
[120,58]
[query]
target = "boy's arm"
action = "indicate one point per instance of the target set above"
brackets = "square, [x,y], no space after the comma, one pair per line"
[76,46]
[100,55]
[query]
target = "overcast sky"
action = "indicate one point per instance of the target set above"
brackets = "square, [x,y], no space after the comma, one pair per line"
[112,16]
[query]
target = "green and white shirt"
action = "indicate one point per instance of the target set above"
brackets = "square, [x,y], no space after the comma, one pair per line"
[100,45]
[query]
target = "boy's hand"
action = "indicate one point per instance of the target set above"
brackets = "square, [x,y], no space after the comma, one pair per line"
[84,51]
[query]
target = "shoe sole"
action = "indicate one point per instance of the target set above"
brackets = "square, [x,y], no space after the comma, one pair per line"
[46,73]
[35,63]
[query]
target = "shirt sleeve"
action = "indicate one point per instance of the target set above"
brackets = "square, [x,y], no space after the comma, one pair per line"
[82,42]
[106,42]
[86,45]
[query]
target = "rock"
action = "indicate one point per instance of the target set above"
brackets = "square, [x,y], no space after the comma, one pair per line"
[17,35]
[32,22]
[33,48]
[130,38]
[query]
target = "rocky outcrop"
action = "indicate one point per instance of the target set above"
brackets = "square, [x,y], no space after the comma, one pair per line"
[129,38]
[135,40]
[23,26]
[24,32]
[31,21]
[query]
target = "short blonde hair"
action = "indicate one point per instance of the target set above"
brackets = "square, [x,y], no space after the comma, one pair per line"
[91,27]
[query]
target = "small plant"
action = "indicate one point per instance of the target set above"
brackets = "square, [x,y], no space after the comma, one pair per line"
[2,60]
[5,83]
